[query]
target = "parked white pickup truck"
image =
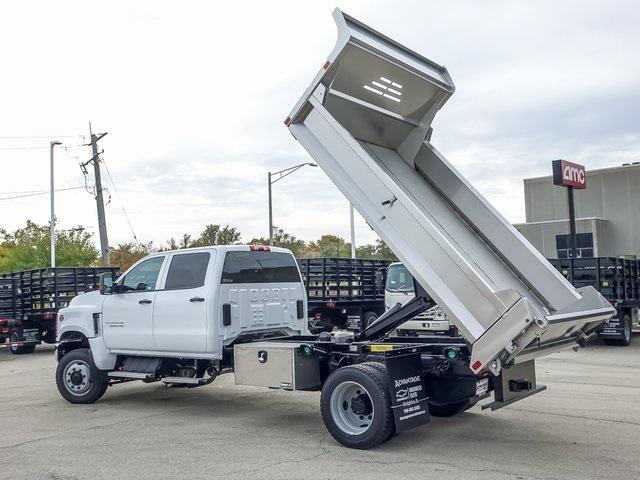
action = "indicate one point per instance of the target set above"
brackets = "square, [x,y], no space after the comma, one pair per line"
[172,314]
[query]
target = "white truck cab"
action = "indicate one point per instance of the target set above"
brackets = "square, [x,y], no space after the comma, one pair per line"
[185,304]
[399,289]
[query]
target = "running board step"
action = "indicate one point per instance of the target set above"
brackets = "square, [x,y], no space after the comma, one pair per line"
[183,380]
[145,377]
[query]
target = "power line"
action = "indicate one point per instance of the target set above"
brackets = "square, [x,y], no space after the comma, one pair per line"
[44,192]
[41,189]
[33,147]
[115,190]
[17,137]
[24,148]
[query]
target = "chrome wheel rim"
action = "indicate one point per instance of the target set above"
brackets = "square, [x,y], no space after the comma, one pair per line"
[627,331]
[13,338]
[77,377]
[352,408]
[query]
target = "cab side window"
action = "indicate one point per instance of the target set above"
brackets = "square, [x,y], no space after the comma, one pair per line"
[144,276]
[187,270]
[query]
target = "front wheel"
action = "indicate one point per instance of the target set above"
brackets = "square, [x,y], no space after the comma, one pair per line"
[356,406]
[78,379]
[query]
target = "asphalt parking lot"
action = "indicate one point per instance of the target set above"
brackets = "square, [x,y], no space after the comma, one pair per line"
[586,425]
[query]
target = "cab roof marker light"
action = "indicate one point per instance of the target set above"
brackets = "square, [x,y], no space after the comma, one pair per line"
[371,89]
[259,248]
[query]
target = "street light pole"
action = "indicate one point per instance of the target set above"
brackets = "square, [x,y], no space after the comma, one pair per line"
[353,232]
[53,215]
[270,211]
[279,176]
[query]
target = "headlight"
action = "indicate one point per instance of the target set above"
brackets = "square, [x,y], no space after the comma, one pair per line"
[59,318]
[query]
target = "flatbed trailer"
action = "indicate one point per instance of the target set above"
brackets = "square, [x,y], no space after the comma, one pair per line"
[342,292]
[30,299]
[617,280]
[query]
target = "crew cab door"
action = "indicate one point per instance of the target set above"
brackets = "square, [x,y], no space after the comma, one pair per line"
[182,305]
[127,316]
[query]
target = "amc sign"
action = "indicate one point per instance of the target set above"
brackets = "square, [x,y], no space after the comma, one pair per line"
[567,174]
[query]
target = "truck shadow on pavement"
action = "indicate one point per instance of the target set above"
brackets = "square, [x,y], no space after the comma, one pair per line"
[274,414]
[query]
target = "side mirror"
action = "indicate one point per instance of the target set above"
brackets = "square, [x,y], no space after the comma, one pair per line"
[380,275]
[106,283]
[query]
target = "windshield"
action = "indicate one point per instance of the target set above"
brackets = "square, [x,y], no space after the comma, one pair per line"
[399,279]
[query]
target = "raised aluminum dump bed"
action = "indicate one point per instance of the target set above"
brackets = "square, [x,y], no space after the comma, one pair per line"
[366,120]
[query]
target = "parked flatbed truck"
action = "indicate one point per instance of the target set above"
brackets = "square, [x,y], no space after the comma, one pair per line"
[30,299]
[342,292]
[618,280]
[185,317]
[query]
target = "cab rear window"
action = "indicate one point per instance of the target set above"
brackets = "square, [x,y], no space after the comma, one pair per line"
[259,267]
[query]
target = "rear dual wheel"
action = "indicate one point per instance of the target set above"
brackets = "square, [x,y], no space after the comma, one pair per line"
[356,406]
[450,409]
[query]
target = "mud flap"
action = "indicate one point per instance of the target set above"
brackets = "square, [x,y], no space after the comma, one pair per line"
[408,394]
[513,384]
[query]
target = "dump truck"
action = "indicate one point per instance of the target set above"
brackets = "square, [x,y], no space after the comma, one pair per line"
[30,299]
[342,292]
[183,318]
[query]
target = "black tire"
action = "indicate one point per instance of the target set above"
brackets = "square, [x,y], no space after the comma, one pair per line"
[96,381]
[23,350]
[373,380]
[628,333]
[368,318]
[449,409]
[625,341]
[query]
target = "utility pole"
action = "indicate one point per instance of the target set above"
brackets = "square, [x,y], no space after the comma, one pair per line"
[102,222]
[270,211]
[52,201]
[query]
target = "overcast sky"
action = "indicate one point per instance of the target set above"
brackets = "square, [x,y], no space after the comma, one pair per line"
[193,95]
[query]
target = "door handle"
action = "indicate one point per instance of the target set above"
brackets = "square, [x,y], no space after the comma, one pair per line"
[196,299]
[144,301]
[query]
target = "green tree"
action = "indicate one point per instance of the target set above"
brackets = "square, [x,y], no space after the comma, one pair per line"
[284,240]
[126,254]
[366,251]
[384,252]
[215,235]
[331,246]
[379,250]
[30,247]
